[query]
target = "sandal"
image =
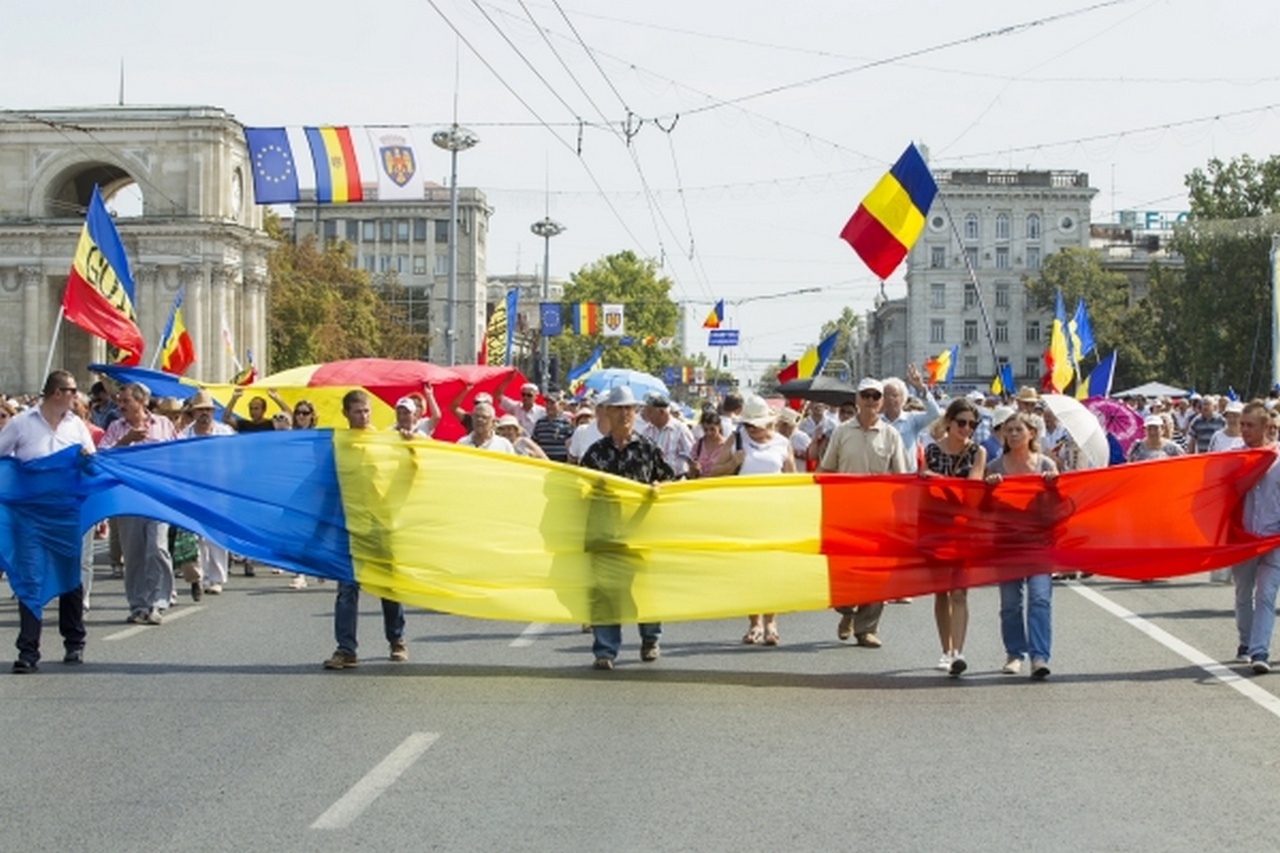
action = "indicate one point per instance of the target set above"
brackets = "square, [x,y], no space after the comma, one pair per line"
[771,637]
[753,636]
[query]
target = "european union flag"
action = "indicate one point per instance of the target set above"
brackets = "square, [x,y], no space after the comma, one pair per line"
[552,319]
[275,175]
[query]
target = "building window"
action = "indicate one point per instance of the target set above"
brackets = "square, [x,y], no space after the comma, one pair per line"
[402,263]
[368,231]
[1002,257]
[970,365]
[442,265]
[971,226]
[384,263]
[420,230]
[353,230]
[1002,294]
[402,230]
[971,255]
[1033,257]
[385,229]
[1002,331]
[1033,331]
[419,264]
[1002,226]
[1033,227]
[370,263]
[970,295]
[1032,367]
[330,230]
[970,331]
[442,231]
[937,331]
[937,295]
[937,257]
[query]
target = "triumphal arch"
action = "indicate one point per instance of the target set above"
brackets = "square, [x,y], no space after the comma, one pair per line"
[196,228]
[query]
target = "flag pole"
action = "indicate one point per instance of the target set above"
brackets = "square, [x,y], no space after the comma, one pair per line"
[973,277]
[57,327]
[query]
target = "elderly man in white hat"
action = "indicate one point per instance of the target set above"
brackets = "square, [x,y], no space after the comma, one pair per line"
[209,572]
[526,409]
[626,454]
[865,444]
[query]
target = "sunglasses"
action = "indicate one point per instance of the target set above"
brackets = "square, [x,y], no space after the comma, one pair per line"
[966,423]
[869,395]
[303,412]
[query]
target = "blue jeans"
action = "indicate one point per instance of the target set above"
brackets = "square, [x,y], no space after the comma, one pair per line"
[1037,623]
[346,613]
[1257,580]
[608,638]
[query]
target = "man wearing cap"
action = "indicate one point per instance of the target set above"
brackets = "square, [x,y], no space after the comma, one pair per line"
[786,426]
[994,443]
[553,430]
[406,417]
[672,437]
[526,409]
[909,424]
[39,431]
[626,454]
[864,444]
[1229,438]
[210,570]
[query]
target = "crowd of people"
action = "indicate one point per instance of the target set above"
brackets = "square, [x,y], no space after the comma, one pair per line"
[881,427]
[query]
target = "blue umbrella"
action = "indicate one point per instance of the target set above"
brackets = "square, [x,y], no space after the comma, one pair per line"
[600,381]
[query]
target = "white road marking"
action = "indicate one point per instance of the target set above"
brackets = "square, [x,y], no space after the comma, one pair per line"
[528,635]
[138,629]
[1264,699]
[363,793]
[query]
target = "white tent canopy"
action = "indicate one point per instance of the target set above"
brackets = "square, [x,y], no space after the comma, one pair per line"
[1152,389]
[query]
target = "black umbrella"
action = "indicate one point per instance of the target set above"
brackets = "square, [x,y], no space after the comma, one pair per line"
[823,389]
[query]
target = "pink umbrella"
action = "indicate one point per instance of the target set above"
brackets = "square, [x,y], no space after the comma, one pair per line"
[1118,419]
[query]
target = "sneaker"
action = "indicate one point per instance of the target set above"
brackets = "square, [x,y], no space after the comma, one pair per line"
[117,572]
[214,589]
[153,616]
[1260,665]
[300,582]
[137,617]
[603,663]
[944,663]
[341,660]
[73,656]
[869,640]
[1039,669]
[399,651]
[845,629]
[1242,654]
[197,591]
[649,651]
[24,667]
[1012,666]
[958,664]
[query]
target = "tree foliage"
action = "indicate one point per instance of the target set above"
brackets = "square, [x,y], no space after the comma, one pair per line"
[847,327]
[321,309]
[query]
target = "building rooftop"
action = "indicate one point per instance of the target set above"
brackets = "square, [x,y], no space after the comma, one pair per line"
[1012,178]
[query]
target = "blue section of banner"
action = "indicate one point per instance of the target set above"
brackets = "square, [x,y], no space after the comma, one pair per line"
[275,174]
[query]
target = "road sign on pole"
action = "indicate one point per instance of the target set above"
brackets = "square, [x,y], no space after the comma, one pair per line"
[722,338]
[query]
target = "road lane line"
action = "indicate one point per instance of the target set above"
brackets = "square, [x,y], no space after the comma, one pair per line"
[528,635]
[363,793]
[1245,687]
[138,629]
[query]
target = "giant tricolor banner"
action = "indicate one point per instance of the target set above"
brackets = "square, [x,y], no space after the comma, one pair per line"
[415,521]
[99,296]
[891,217]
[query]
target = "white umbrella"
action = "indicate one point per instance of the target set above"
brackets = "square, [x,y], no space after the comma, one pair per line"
[1083,427]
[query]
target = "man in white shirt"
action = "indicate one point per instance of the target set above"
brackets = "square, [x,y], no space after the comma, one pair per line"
[673,438]
[526,409]
[1258,578]
[589,433]
[36,432]
[482,435]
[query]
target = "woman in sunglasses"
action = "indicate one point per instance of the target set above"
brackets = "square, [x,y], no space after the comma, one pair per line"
[303,417]
[954,454]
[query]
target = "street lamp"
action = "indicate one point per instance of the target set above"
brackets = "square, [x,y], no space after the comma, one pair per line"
[546,228]
[453,140]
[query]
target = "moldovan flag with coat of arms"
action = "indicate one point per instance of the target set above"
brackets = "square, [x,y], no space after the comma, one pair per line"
[99,293]
[612,319]
[891,217]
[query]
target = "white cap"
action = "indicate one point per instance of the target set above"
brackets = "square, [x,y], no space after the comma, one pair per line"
[1153,421]
[407,403]
[869,384]
[1235,407]
[1000,414]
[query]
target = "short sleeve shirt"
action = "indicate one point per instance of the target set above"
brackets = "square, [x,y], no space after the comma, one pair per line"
[639,460]
[29,436]
[853,449]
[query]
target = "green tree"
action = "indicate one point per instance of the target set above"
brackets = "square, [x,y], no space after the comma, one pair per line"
[321,309]
[650,313]
[848,328]
[1119,322]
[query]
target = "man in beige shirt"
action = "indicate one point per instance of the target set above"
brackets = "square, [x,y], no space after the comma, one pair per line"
[864,444]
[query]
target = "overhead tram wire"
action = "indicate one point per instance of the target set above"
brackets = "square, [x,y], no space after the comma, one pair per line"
[501,80]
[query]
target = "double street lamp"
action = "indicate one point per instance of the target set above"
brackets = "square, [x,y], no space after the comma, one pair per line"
[453,140]
[546,228]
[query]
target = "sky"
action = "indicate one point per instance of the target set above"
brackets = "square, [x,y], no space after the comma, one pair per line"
[729,141]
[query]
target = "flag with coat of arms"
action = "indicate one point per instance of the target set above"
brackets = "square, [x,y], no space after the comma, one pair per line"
[613,323]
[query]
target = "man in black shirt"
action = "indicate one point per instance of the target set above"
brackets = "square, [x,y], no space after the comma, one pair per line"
[625,454]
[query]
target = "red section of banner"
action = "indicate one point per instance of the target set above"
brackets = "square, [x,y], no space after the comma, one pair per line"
[355,192]
[87,308]
[891,537]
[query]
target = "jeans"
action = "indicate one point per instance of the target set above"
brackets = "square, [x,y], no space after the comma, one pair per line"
[1257,580]
[70,624]
[1038,624]
[608,638]
[346,613]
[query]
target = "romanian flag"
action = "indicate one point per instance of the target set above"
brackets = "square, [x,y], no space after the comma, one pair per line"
[1003,383]
[1057,358]
[715,318]
[99,293]
[686,374]
[578,375]
[177,353]
[1080,334]
[891,217]
[943,368]
[586,318]
[1099,382]
[413,521]
[811,363]
[337,173]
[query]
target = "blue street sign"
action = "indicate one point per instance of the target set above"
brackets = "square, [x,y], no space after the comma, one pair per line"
[722,338]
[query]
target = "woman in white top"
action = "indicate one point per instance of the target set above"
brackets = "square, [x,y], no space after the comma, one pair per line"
[1229,437]
[754,448]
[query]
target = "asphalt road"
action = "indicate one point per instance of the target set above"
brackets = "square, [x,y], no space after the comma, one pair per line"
[220,731]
